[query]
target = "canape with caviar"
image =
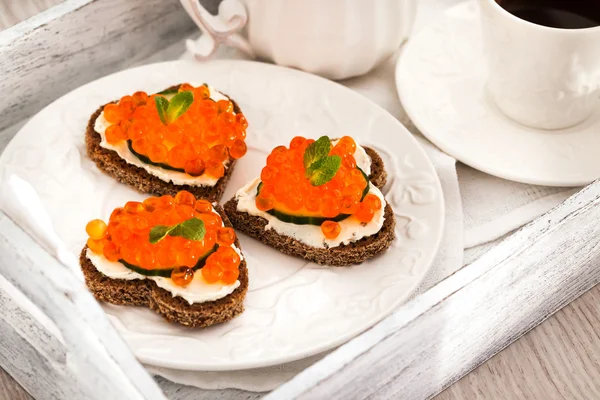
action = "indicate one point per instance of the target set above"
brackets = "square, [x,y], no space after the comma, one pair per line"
[318,200]
[186,137]
[177,255]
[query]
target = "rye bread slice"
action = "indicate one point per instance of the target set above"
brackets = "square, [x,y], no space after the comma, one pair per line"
[343,255]
[378,176]
[145,292]
[109,162]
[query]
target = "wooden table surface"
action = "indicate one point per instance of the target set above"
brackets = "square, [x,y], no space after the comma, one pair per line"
[559,359]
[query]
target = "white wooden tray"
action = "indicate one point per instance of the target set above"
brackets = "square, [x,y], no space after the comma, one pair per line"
[426,345]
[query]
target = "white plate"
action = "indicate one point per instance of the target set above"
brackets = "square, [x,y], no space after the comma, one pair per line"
[293,309]
[441,80]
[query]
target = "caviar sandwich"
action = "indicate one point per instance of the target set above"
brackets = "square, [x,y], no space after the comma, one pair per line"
[319,200]
[176,255]
[184,138]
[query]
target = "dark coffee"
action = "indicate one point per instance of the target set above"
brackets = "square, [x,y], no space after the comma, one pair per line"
[565,14]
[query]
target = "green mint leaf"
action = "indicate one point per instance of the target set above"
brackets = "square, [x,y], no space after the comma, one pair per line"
[161,106]
[178,105]
[317,151]
[313,167]
[192,229]
[324,170]
[158,233]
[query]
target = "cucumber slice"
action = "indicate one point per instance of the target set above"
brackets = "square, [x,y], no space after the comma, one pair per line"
[166,273]
[168,92]
[310,220]
[146,160]
[148,272]
[366,191]
[305,220]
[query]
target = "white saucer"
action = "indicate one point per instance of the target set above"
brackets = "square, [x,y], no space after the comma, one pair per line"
[441,80]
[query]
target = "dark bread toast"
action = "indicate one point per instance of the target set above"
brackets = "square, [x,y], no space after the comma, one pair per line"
[109,162]
[378,176]
[145,292]
[343,255]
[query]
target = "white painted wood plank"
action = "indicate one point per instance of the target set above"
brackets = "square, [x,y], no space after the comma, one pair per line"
[455,326]
[32,325]
[78,41]
[175,391]
[105,366]
[41,377]
[14,12]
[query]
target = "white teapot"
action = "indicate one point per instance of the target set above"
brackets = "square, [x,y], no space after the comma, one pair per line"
[336,39]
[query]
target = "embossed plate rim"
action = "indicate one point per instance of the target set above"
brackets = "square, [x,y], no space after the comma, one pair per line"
[157,342]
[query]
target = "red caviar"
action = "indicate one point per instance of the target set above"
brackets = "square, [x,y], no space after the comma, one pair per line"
[208,134]
[225,236]
[222,265]
[286,188]
[126,237]
[96,229]
[331,229]
[373,201]
[182,276]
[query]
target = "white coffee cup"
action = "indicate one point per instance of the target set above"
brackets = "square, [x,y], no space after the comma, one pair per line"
[333,38]
[539,76]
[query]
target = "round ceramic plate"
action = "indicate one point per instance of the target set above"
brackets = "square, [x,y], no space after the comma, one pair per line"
[441,79]
[293,308]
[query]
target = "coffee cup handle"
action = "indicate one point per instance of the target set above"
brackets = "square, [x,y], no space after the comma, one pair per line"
[218,29]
